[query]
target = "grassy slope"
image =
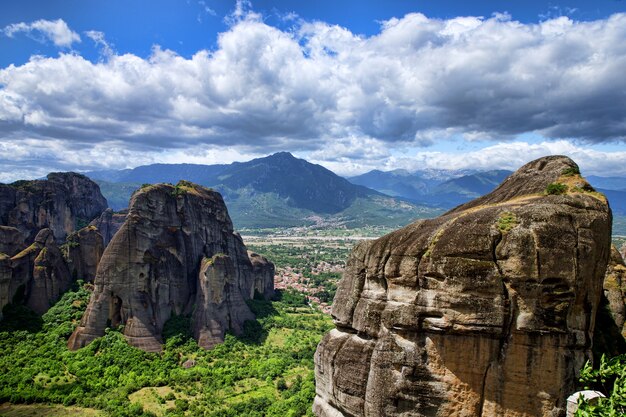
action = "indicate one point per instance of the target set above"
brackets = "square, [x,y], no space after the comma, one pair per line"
[39,410]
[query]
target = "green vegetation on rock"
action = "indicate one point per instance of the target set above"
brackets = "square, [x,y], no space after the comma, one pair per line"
[571,171]
[556,188]
[610,379]
[507,221]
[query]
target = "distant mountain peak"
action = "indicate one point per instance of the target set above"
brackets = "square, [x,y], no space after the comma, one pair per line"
[281,155]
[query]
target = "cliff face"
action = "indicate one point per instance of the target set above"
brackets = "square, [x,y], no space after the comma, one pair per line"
[610,331]
[219,303]
[156,265]
[11,240]
[35,216]
[109,223]
[487,310]
[39,273]
[61,203]
[83,250]
[263,273]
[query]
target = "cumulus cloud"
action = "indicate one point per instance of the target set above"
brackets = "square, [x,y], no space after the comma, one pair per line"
[515,154]
[502,155]
[55,31]
[319,87]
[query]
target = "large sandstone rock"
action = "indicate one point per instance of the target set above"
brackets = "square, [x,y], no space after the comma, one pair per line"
[39,273]
[11,243]
[157,265]
[83,250]
[487,310]
[263,272]
[615,289]
[610,330]
[109,223]
[11,240]
[61,203]
[35,216]
[219,302]
[6,272]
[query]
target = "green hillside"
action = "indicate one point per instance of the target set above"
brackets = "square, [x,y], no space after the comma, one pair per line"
[268,371]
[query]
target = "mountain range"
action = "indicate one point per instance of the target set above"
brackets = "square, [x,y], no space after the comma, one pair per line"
[438,191]
[281,190]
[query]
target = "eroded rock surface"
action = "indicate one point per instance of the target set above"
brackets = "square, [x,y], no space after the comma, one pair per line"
[39,273]
[615,288]
[11,240]
[109,223]
[219,302]
[487,310]
[83,250]
[63,203]
[35,217]
[263,272]
[157,264]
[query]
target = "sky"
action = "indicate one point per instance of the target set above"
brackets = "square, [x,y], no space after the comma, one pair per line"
[351,85]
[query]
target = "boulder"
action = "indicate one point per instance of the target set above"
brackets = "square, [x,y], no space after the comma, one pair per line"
[158,264]
[487,310]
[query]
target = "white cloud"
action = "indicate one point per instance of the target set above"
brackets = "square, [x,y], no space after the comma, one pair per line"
[99,39]
[322,90]
[56,31]
[513,155]
[206,8]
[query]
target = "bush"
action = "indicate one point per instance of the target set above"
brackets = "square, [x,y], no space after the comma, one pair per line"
[556,188]
[507,221]
[571,171]
[610,379]
[178,327]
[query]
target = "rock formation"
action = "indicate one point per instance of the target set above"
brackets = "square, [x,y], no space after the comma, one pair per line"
[6,272]
[83,250]
[610,330]
[61,203]
[219,302]
[109,223]
[176,248]
[11,240]
[487,310]
[39,273]
[263,272]
[615,289]
[35,216]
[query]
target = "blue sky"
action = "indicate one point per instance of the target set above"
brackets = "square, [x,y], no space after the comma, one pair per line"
[352,85]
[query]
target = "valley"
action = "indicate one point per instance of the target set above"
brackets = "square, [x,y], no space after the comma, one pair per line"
[219,341]
[249,208]
[266,371]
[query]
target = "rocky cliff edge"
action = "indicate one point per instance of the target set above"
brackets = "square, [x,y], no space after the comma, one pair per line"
[487,310]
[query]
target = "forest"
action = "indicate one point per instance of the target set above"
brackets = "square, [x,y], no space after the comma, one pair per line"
[267,371]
